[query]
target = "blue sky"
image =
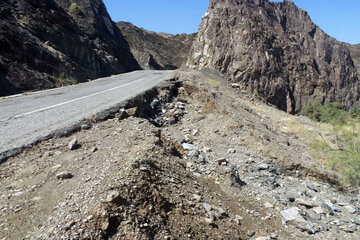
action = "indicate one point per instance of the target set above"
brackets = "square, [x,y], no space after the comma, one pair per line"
[339,18]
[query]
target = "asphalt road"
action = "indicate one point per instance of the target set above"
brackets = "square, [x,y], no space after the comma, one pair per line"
[24,119]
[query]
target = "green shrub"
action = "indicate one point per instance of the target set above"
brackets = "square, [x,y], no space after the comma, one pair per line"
[75,8]
[63,80]
[342,154]
[328,113]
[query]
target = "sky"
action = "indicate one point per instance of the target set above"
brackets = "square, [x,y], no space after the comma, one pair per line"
[338,18]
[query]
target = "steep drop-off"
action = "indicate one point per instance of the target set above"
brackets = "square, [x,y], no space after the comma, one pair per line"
[157,50]
[274,49]
[45,44]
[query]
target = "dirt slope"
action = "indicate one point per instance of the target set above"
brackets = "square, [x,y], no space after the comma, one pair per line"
[201,160]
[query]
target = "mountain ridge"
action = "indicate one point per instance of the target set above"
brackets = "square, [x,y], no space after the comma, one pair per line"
[274,49]
[156,50]
[46,44]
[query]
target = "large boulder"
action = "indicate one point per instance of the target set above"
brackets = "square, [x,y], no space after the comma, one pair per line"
[275,50]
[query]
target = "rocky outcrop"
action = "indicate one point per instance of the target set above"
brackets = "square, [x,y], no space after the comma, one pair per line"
[275,50]
[45,44]
[157,50]
[355,54]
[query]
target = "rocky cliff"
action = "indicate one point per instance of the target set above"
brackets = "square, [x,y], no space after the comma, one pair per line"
[157,50]
[45,44]
[275,50]
[355,54]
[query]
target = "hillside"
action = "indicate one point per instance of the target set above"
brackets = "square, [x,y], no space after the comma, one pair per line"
[156,50]
[274,49]
[196,158]
[45,44]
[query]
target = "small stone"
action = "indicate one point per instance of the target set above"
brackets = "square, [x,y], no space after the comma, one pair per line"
[312,187]
[292,216]
[251,233]
[232,150]
[206,149]
[48,154]
[268,205]
[347,229]
[73,144]
[132,112]
[236,85]
[211,219]
[262,167]
[189,147]
[189,164]
[262,238]
[273,236]
[238,219]
[122,114]
[85,126]
[222,161]
[331,208]
[195,132]
[207,207]
[18,209]
[18,194]
[196,197]
[105,225]
[305,203]
[57,166]
[94,149]
[69,224]
[318,210]
[350,209]
[112,196]
[291,197]
[64,175]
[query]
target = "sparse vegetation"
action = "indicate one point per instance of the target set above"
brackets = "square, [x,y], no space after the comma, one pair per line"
[214,83]
[63,80]
[75,8]
[338,145]
[328,113]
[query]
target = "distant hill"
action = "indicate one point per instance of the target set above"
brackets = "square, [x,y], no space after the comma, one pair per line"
[45,44]
[156,50]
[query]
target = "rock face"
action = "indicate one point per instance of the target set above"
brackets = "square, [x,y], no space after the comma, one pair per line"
[355,54]
[275,50]
[45,44]
[157,50]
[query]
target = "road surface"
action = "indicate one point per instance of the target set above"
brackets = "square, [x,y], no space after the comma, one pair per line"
[24,119]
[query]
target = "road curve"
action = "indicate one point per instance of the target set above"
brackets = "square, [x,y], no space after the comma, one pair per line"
[24,119]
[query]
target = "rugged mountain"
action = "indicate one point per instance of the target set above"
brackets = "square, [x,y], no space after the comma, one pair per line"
[44,44]
[157,50]
[355,54]
[275,50]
